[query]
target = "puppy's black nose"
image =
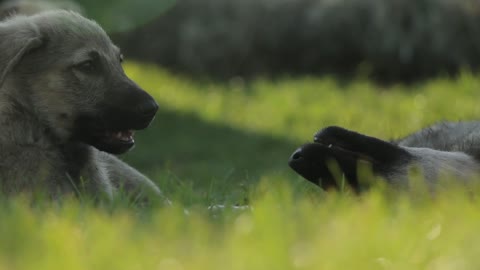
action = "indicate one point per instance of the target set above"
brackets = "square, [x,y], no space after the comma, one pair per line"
[296,155]
[148,108]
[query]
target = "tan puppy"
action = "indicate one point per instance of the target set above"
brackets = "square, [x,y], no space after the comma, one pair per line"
[66,106]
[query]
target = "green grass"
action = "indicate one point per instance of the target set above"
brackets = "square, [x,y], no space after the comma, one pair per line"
[229,144]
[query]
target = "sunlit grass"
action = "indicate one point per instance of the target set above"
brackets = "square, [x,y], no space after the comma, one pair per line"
[295,108]
[374,231]
[228,143]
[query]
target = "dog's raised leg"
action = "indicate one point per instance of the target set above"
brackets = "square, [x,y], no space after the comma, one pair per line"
[346,148]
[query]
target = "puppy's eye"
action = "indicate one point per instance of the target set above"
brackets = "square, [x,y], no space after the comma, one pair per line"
[86,66]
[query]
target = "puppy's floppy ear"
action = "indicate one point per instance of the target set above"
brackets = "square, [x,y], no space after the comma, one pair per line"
[18,36]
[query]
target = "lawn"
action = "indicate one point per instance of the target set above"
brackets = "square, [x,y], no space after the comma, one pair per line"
[228,144]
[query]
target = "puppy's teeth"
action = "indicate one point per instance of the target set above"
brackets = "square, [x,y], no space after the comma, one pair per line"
[121,135]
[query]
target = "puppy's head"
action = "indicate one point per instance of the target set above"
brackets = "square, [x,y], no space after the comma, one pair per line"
[70,74]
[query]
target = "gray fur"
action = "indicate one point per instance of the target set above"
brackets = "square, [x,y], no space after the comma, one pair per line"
[40,96]
[434,164]
[451,148]
[447,136]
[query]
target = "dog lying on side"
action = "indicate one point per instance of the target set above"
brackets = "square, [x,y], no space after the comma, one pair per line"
[452,148]
[66,108]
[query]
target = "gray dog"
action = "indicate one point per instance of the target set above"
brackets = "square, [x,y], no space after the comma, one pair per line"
[66,106]
[444,149]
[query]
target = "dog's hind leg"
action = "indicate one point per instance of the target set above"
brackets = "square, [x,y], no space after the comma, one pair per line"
[346,148]
[365,147]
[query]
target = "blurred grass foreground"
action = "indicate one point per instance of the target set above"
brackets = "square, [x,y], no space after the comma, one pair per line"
[371,232]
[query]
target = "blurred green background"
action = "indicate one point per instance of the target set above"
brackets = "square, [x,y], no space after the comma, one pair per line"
[385,40]
[388,40]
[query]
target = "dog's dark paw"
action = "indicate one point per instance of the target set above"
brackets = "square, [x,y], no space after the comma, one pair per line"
[313,161]
[346,139]
[365,147]
[331,134]
[346,148]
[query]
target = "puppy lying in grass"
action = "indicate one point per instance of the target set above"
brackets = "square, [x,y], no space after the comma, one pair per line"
[66,108]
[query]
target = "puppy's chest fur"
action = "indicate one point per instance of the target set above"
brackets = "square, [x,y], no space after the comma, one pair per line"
[76,157]
[31,156]
[84,169]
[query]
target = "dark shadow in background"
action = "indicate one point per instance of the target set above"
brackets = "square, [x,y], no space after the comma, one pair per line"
[386,40]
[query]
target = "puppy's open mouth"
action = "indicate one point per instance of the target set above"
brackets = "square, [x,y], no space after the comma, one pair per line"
[115,142]
[112,132]
[125,136]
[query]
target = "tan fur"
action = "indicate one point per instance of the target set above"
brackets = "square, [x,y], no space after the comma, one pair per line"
[42,94]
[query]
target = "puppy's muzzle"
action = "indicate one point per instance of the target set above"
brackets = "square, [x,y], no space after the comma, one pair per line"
[126,108]
[148,109]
